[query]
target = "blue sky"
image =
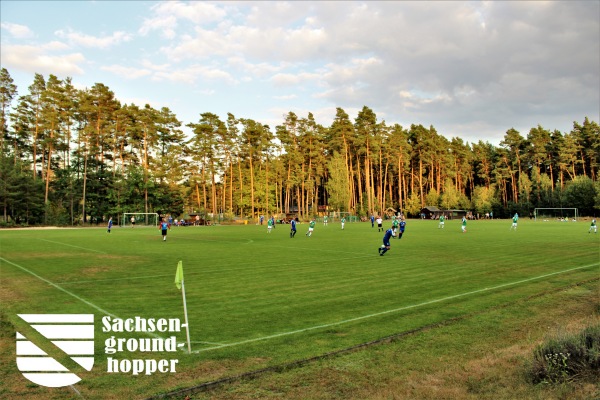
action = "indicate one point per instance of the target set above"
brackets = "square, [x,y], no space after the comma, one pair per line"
[470,69]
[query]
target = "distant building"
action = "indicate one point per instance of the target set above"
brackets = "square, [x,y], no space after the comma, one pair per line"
[432,212]
[455,213]
[428,211]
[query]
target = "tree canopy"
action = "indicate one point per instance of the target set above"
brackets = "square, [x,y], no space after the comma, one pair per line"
[71,156]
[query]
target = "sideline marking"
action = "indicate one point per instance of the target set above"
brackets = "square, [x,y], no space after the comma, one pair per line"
[77,247]
[59,288]
[77,392]
[72,294]
[219,344]
[391,311]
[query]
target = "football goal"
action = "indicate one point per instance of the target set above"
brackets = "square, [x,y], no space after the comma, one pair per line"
[336,216]
[140,219]
[554,214]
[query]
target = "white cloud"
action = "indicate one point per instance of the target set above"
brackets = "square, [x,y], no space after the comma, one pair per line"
[16,30]
[293,79]
[167,15]
[126,72]
[34,59]
[81,39]
[465,67]
[193,73]
[286,97]
[262,69]
[166,24]
[155,67]
[55,46]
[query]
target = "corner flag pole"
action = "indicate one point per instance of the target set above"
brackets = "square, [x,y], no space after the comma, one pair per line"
[180,285]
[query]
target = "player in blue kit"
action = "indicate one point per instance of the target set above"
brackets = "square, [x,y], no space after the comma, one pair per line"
[402,228]
[293,228]
[386,241]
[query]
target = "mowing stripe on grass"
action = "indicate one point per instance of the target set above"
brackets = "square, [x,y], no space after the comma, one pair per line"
[77,247]
[115,279]
[219,240]
[58,287]
[308,263]
[316,251]
[70,293]
[394,310]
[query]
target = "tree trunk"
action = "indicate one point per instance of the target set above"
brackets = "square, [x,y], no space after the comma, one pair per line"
[198,195]
[251,188]
[359,182]
[421,182]
[84,184]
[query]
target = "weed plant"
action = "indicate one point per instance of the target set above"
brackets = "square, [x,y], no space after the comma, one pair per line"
[566,357]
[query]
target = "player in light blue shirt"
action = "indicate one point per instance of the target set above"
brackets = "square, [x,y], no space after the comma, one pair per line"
[293,228]
[164,225]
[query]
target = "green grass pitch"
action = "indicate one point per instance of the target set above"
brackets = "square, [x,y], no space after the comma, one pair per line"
[256,299]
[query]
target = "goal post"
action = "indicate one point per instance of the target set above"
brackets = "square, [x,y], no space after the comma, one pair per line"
[336,216]
[555,213]
[140,219]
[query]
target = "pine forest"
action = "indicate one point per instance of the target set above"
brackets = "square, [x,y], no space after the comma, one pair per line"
[73,156]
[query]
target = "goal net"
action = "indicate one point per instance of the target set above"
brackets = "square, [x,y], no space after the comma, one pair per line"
[555,214]
[336,216]
[140,219]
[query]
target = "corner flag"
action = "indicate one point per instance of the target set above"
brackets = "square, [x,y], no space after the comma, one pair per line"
[179,275]
[181,286]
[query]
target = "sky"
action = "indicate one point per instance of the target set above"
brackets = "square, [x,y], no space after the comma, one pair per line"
[470,69]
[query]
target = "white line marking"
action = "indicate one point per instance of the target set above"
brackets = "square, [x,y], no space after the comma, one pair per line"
[219,344]
[391,311]
[76,391]
[59,288]
[77,247]
[70,293]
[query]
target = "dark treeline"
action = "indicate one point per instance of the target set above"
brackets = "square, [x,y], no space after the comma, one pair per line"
[70,155]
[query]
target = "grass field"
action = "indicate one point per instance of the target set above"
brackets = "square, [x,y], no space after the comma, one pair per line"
[257,300]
